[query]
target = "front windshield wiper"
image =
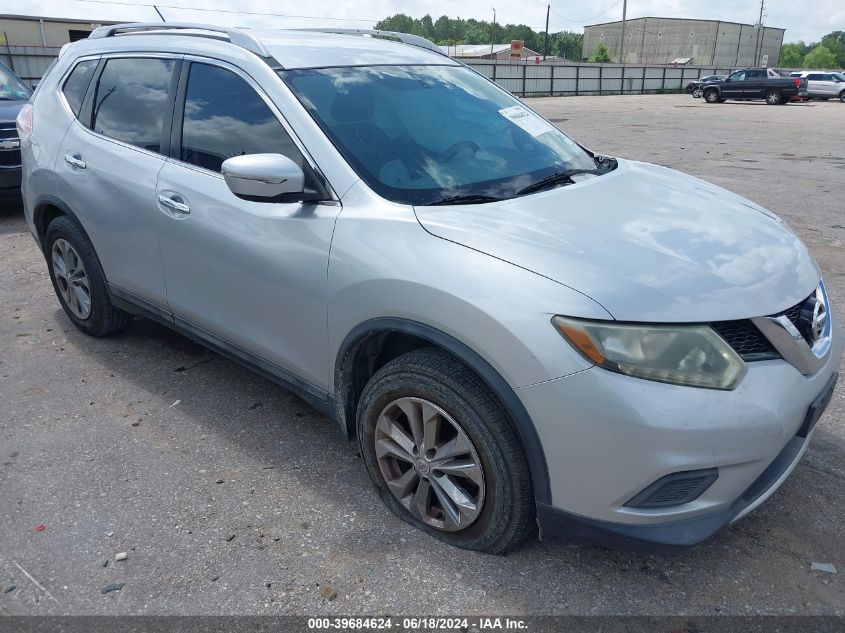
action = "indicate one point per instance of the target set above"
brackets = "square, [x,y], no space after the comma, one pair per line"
[471,198]
[558,178]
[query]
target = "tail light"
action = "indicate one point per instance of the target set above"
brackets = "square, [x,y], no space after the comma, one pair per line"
[798,82]
[24,122]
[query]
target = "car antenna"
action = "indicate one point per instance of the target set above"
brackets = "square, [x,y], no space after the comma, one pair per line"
[159,13]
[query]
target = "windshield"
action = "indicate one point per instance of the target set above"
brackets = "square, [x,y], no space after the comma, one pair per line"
[11,88]
[421,134]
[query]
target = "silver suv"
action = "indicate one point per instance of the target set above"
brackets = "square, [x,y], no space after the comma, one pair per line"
[515,329]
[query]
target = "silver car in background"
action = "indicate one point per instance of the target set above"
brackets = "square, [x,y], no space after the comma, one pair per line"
[516,330]
[823,84]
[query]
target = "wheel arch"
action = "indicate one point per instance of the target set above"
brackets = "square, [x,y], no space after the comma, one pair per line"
[46,209]
[709,90]
[375,342]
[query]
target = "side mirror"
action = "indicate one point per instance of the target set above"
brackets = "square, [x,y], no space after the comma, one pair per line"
[265,178]
[728,79]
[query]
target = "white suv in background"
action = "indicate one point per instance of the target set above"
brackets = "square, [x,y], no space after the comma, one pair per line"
[823,85]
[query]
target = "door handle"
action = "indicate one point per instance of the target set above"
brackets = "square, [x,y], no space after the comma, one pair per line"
[173,205]
[75,159]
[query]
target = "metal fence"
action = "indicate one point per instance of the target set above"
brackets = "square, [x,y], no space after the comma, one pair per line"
[524,77]
[29,62]
[527,78]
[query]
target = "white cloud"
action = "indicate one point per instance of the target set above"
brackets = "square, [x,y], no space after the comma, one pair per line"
[807,21]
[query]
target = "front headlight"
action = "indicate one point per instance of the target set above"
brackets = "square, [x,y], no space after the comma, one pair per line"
[692,355]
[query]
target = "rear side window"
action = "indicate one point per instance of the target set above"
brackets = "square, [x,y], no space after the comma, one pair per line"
[814,77]
[225,117]
[131,100]
[77,84]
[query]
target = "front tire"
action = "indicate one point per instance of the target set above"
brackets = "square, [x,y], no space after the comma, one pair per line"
[79,281]
[712,96]
[443,455]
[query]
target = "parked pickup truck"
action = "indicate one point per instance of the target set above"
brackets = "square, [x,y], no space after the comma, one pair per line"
[755,83]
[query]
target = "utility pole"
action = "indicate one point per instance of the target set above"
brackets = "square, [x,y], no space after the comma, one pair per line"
[622,33]
[493,32]
[546,39]
[759,29]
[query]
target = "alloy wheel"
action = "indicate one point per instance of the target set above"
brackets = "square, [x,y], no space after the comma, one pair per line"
[429,464]
[71,278]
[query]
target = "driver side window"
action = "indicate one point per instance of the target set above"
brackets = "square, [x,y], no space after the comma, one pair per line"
[738,76]
[225,117]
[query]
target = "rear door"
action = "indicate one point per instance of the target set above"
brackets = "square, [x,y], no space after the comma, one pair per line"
[109,161]
[755,84]
[815,85]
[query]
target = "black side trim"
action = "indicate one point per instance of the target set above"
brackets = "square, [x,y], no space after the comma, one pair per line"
[504,392]
[87,108]
[314,396]
[662,537]
[133,304]
[818,406]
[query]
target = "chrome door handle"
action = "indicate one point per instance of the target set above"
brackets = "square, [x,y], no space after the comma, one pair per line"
[75,160]
[174,205]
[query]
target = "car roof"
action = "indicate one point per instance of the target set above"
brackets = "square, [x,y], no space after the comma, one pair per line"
[304,49]
[283,49]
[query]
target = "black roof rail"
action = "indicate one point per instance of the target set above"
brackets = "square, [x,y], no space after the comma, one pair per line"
[239,37]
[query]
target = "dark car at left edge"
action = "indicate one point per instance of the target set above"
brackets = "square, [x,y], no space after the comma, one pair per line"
[13,95]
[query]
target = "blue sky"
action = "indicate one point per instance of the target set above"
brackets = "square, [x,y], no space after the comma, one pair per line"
[807,21]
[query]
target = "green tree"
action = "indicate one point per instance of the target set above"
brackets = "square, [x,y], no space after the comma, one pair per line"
[820,57]
[447,31]
[835,43]
[567,44]
[601,54]
[792,55]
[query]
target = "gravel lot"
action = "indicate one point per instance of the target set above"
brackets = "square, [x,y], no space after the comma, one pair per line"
[231,496]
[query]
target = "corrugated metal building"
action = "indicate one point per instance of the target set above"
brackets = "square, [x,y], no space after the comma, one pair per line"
[708,42]
[29,44]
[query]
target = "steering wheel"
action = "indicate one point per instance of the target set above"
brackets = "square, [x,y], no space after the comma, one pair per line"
[453,150]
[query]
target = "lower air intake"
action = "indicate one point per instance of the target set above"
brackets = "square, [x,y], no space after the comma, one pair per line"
[675,489]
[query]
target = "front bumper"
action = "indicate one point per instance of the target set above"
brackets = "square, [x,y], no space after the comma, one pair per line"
[607,437]
[676,534]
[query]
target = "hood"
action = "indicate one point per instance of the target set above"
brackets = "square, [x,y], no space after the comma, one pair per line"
[646,242]
[9,110]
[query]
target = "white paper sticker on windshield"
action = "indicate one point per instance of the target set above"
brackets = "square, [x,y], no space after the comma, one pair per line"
[527,120]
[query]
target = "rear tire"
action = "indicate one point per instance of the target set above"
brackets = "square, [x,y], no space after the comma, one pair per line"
[444,398]
[774,98]
[79,281]
[712,96]
[842,96]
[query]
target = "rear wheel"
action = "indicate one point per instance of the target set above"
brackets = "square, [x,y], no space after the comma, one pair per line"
[842,96]
[442,453]
[79,281]
[774,98]
[712,96]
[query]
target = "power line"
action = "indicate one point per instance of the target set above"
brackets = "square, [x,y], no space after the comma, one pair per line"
[590,19]
[229,11]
